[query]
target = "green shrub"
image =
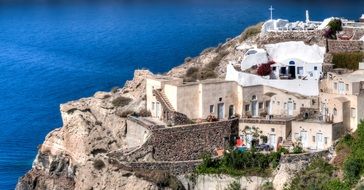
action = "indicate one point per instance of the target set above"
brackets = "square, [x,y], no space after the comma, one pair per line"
[348,60]
[315,176]
[267,186]
[121,101]
[336,184]
[99,164]
[114,89]
[352,169]
[251,31]
[297,150]
[235,185]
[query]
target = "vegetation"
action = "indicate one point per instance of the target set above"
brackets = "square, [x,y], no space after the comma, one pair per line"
[236,163]
[265,69]
[99,164]
[206,72]
[121,101]
[251,31]
[235,185]
[349,60]
[350,159]
[144,113]
[114,89]
[161,178]
[333,27]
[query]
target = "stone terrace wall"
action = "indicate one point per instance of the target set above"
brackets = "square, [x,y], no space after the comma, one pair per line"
[175,168]
[339,46]
[184,143]
[293,158]
[309,37]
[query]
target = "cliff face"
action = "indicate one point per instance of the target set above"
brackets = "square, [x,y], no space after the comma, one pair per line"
[74,156]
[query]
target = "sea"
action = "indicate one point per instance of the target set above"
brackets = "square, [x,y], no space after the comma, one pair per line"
[51,53]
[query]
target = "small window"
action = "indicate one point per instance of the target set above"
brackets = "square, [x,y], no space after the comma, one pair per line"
[211,108]
[303,105]
[347,87]
[254,97]
[260,105]
[313,139]
[278,103]
[335,85]
[272,130]
[291,62]
[247,107]
[153,105]
[274,68]
[294,106]
[353,112]
[315,68]
[326,140]
[334,111]
[220,99]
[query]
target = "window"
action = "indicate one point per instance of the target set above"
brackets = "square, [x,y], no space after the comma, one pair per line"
[211,108]
[313,139]
[334,111]
[326,139]
[272,130]
[260,105]
[220,99]
[300,70]
[254,97]
[291,62]
[294,106]
[247,107]
[353,112]
[315,68]
[153,105]
[274,68]
[335,85]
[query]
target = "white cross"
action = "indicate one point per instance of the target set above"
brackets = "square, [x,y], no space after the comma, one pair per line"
[271,12]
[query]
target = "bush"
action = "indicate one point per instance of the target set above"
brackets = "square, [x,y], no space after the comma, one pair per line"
[251,31]
[114,89]
[348,60]
[121,101]
[126,113]
[334,26]
[235,185]
[99,164]
[265,69]
[352,168]
[336,184]
[144,113]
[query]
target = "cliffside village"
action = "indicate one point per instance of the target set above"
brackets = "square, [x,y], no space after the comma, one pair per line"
[301,98]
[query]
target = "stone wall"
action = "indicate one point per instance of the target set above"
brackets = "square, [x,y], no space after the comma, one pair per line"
[310,37]
[340,46]
[182,143]
[175,168]
[293,158]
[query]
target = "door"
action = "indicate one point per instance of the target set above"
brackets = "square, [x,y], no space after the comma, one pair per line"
[272,140]
[254,108]
[157,109]
[319,141]
[292,71]
[290,108]
[304,139]
[220,111]
[231,111]
[268,107]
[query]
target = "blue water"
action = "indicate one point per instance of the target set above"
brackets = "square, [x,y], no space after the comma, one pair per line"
[50,54]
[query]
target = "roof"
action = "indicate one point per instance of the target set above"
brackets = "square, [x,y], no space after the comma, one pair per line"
[283,51]
[355,76]
[341,99]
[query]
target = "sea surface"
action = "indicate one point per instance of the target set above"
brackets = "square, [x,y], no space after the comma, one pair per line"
[54,53]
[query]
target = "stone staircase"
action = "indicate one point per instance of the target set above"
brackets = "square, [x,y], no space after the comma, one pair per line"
[162,98]
[288,142]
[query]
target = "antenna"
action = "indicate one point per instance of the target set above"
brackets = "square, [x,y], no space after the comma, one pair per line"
[271,9]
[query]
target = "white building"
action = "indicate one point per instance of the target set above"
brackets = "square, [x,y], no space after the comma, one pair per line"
[298,68]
